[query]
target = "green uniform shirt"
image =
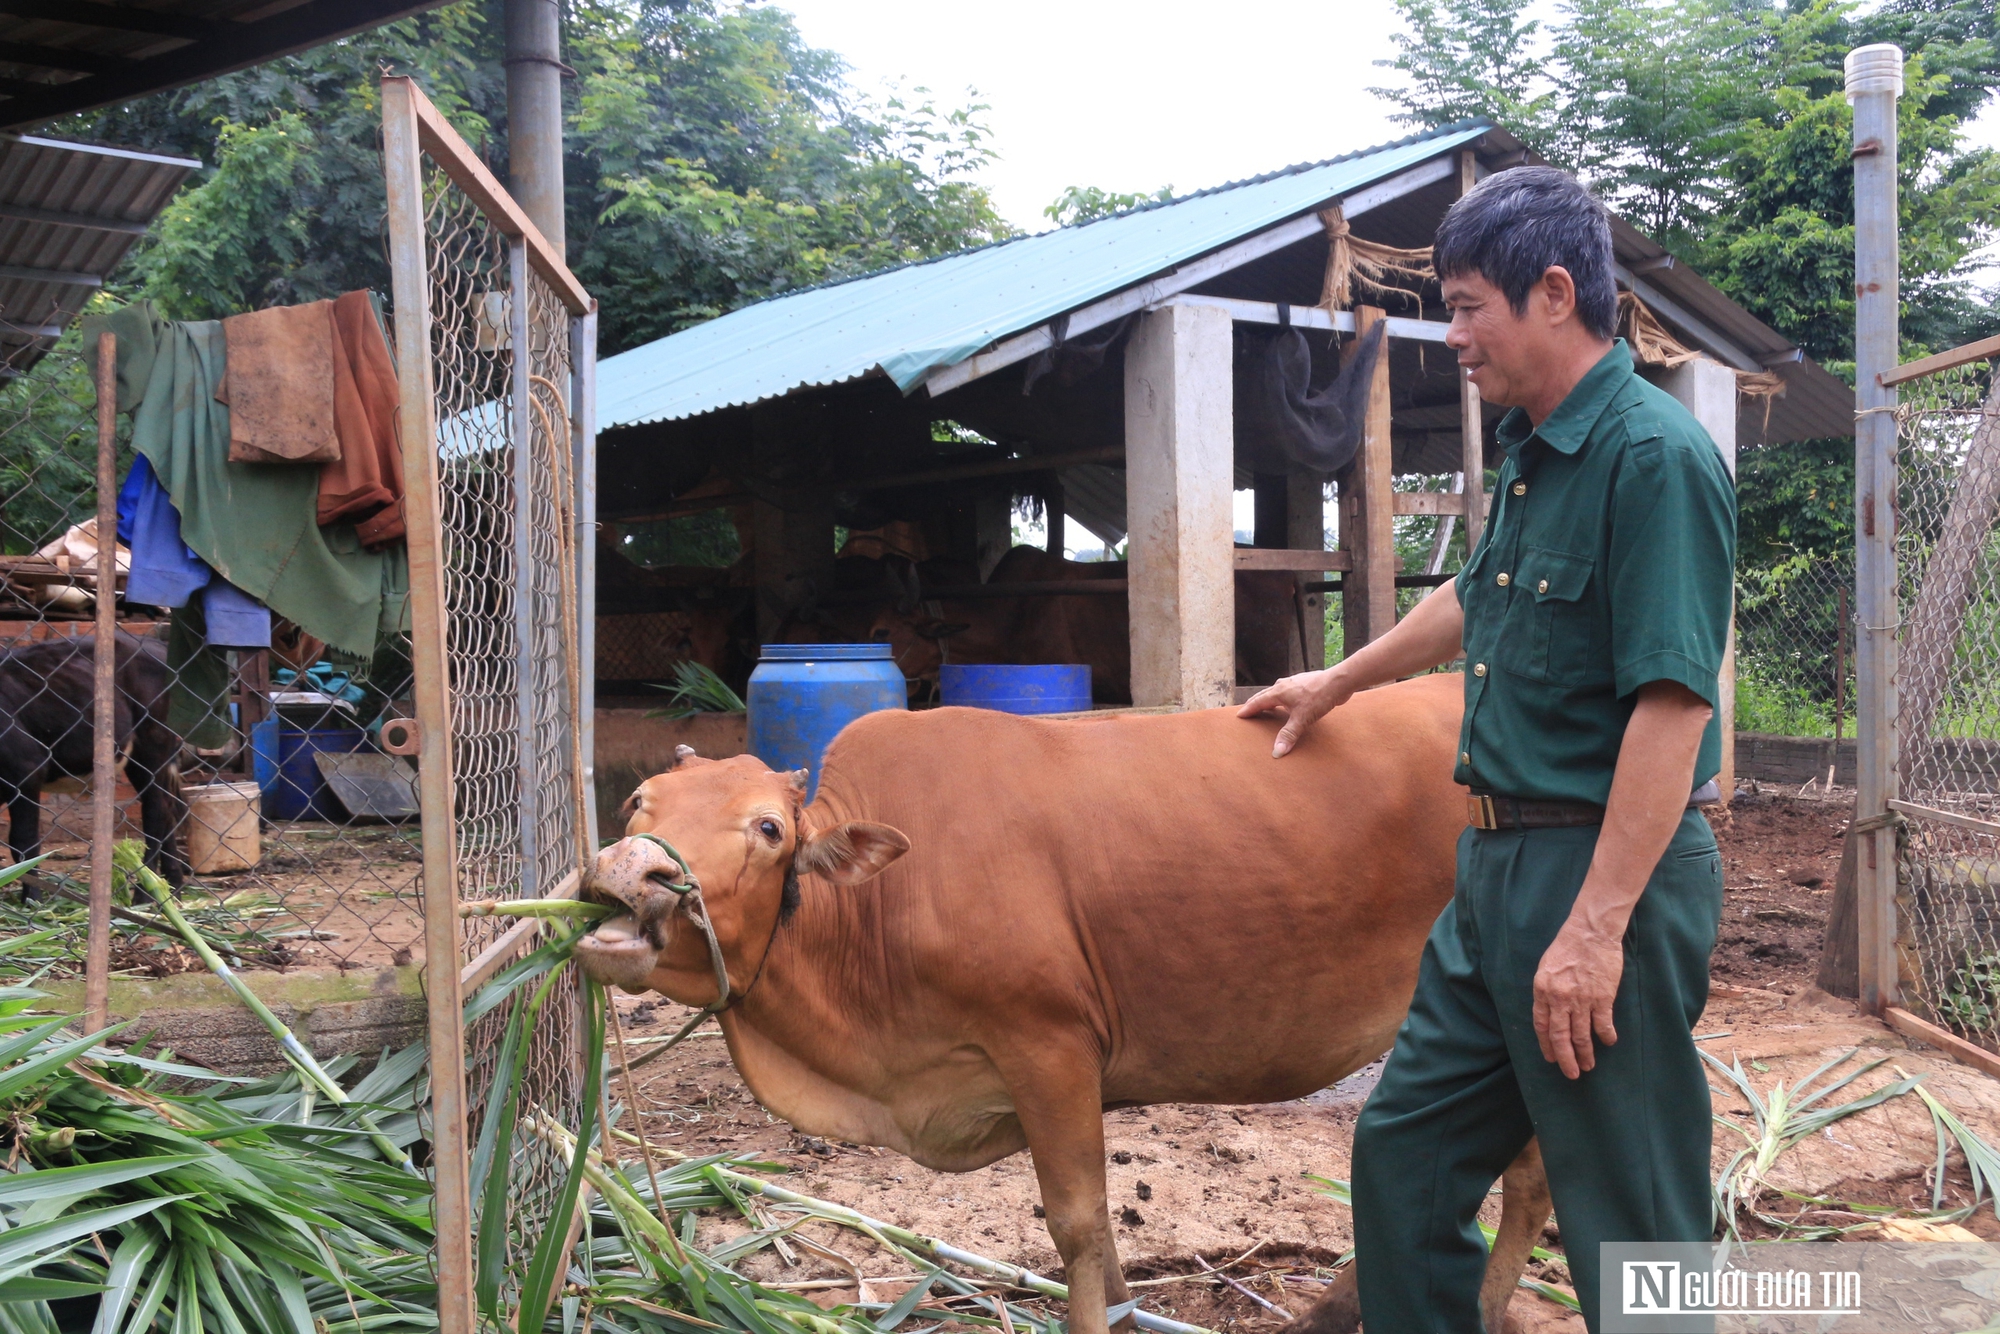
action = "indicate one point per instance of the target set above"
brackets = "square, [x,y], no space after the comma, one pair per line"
[1608,562]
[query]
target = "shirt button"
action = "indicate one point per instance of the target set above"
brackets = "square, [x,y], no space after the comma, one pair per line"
[1479,669]
[1464,757]
[1503,580]
[1542,587]
[1520,488]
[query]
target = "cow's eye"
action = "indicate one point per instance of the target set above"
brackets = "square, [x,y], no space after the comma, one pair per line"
[770,829]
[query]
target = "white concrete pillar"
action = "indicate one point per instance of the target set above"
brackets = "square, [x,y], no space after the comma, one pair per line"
[1179,471]
[1707,389]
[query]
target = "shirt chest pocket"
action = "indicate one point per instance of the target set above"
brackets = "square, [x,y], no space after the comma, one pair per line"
[1552,631]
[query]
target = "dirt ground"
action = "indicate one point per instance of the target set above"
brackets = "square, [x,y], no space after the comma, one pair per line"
[1217,1182]
[323,895]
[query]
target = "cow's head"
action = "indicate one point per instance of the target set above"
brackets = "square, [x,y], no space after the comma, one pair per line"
[746,837]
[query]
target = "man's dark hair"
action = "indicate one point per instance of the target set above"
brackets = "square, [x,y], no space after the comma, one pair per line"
[1514,226]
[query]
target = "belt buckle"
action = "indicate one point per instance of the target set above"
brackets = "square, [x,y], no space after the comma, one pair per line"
[1479,812]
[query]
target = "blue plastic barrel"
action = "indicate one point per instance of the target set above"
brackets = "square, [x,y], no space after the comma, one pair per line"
[299,791]
[801,695]
[1043,688]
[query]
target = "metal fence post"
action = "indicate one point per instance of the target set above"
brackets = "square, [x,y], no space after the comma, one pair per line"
[104,739]
[527,695]
[1874,83]
[583,429]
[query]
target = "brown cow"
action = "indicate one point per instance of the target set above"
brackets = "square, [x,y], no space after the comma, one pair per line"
[988,929]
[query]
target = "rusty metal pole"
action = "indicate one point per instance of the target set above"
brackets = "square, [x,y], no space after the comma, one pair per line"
[534,114]
[104,739]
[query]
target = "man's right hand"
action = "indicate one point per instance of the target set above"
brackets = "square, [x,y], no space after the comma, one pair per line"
[1303,700]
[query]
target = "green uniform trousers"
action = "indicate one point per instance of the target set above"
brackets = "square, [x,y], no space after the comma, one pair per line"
[1626,1145]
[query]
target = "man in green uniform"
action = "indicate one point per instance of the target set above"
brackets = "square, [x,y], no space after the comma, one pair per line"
[1558,989]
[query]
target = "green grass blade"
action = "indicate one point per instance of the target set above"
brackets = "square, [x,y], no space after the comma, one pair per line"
[538,1292]
[53,1236]
[907,1303]
[22,1187]
[136,1248]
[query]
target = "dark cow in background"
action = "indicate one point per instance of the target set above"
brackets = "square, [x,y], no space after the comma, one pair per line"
[47,693]
[1090,628]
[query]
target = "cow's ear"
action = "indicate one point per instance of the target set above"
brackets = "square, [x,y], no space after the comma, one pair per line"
[632,805]
[850,853]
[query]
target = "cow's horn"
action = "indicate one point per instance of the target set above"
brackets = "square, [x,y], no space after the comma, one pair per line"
[683,753]
[800,777]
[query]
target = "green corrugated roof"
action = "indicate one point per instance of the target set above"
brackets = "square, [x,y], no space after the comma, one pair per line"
[921,317]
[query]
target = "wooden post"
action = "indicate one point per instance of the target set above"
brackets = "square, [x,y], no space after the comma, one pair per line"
[1368,515]
[443,1002]
[1180,470]
[104,737]
[1874,82]
[1305,530]
[1707,389]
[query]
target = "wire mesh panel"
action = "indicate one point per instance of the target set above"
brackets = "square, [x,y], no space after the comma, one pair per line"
[223,747]
[495,575]
[1948,699]
[1794,643]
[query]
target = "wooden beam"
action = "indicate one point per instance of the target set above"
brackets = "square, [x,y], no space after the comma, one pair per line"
[1024,588]
[1941,361]
[61,277]
[1110,455]
[57,218]
[459,162]
[1368,515]
[1662,304]
[1302,561]
[1192,274]
[1310,317]
[1429,502]
[1972,823]
[1951,1044]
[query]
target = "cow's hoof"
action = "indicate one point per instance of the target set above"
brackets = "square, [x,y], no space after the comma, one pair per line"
[1336,1312]
[617,953]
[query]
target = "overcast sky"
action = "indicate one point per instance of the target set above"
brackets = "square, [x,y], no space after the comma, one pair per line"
[1133,96]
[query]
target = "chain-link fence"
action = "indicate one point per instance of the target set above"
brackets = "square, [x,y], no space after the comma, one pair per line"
[1948,699]
[1795,644]
[506,497]
[251,773]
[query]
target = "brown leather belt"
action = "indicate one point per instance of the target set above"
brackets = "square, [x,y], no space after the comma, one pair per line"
[1484,810]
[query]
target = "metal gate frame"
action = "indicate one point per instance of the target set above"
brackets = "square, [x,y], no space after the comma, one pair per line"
[413,131]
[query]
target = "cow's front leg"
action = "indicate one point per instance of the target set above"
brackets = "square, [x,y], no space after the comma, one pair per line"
[1062,1114]
[1524,1210]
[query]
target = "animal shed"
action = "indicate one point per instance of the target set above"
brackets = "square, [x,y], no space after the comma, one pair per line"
[1114,372]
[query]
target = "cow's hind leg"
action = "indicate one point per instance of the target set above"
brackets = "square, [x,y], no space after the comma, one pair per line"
[24,833]
[1061,1109]
[1524,1210]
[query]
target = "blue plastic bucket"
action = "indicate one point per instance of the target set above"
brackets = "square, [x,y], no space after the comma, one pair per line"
[801,695]
[297,790]
[1044,688]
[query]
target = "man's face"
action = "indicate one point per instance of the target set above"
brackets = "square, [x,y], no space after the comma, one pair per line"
[1504,354]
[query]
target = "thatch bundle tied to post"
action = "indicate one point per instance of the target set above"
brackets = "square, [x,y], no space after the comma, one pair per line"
[1654,346]
[1368,268]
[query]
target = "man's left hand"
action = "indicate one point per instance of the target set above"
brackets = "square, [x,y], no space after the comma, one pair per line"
[1574,991]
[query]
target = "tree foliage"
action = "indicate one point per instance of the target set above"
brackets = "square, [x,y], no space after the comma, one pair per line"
[1086,203]
[712,158]
[1719,127]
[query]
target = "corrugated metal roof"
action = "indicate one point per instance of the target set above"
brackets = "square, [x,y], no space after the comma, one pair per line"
[68,214]
[63,56]
[918,318]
